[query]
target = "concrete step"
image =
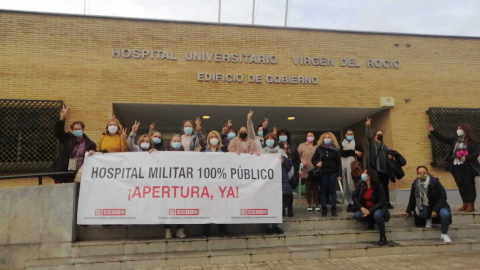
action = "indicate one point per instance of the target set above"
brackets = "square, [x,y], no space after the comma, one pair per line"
[301,222]
[159,260]
[290,238]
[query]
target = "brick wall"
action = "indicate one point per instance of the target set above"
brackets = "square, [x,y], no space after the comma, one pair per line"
[69,58]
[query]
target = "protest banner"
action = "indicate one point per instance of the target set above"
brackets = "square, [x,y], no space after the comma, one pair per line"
[180,188]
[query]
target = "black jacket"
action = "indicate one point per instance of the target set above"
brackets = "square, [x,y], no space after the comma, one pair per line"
[437,196]
[378,196]
[473,149]
[395,165]
[294,156]
[330,158]
[67,142]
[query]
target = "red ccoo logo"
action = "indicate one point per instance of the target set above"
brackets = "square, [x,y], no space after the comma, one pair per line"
[253,212]
[110,212]
[183,212]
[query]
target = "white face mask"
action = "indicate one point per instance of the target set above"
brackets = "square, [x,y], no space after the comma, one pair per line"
[460,132]
[145,145]
[112,129]
[213,141]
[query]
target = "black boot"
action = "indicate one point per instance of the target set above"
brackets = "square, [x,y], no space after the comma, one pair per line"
[223,230]
[283,212]
[334,211]
[290,211]
[383,240]
[324,211]
[205,230]
[350,208]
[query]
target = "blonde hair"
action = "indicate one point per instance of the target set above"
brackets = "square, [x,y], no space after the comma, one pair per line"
[334,139]
[175,136]
[211,133]
[120,127]
[140,140]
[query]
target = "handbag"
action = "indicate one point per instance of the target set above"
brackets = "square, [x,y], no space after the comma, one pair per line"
[386,215]
[317,172]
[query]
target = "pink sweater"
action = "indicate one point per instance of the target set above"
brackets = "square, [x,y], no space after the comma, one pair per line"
[236,145]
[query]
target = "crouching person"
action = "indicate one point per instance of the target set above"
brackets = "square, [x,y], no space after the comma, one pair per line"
[369,197]
[428,202]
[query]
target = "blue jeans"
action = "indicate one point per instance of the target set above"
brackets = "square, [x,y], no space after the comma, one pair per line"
[444,217]
[328,183]
[375,217]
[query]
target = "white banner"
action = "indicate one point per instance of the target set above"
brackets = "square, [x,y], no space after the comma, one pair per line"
[180,188]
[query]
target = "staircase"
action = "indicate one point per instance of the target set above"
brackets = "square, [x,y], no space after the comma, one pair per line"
[307,236]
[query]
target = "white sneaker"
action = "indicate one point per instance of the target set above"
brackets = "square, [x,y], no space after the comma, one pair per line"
[429,223]
[181,233]
[309,208]
[317,208]
[445,238]
[168,234]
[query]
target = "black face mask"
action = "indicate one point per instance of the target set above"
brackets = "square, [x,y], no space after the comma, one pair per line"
[380,137]
[243,136]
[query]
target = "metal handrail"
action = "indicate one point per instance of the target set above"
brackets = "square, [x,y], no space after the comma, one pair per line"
[39,175]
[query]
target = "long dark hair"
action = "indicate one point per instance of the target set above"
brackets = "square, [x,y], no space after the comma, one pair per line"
[469,135]
[373,177]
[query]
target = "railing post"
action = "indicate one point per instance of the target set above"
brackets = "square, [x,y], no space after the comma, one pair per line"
[40,180]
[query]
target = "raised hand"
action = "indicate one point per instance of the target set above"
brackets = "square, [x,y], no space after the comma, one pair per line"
[368,122]
[274,131]
[265,123]
[63,112]
[249,115]
[152,126]
[226,126]
[135,126]
[198,124]
[123,136]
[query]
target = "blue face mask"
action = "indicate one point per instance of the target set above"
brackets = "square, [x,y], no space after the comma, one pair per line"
[364,177]
[283,138]
[260,133]
[77,133]
[349,138]
[270,143]
[156,140]
[231,135]
[327,141]
[176,145]
[188,130]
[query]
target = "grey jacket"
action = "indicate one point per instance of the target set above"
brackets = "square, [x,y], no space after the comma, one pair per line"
[378,163]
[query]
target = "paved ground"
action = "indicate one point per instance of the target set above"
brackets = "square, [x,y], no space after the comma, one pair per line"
[444,261]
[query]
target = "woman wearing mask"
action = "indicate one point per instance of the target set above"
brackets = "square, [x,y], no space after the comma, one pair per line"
[156,138]
[327,156]
[378,154]
[462,162]
[175,145]
[72,149]
[144,143]
[114,139]
[213,145]
[271,147]
[242,144]
[351,150]
[285,142]
[428,200]
[192,141]
[369,197]
[305,151]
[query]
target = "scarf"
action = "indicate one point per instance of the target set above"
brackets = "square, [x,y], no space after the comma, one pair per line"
[329,146]
[421,193]
[346,164]
[459,145]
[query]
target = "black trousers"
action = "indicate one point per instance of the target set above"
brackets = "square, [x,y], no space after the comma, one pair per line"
[384,179]
[465,179]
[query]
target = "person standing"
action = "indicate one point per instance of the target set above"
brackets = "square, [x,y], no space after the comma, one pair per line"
[378,154]
[327,156]
[72,149]
[192,141]
[351,150]
[306,151]
[156,138]
[428,200]
[114,139]
[463,162]
[144,143]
